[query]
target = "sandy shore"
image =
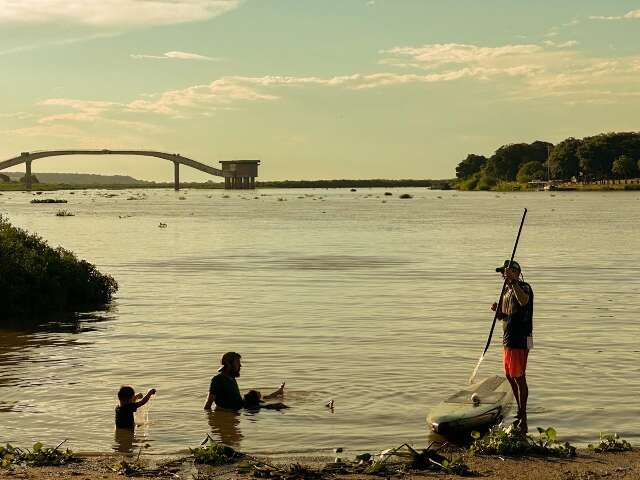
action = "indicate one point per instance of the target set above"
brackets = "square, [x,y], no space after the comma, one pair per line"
[586,466]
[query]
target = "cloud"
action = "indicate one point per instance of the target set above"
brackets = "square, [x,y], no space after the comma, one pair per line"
[174,56]
[633,14]
[440,54]
[57,43]
[113,13]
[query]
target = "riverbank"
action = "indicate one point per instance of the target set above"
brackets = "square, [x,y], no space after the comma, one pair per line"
[585,466]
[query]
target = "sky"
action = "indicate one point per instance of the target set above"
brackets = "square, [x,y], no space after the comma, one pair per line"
[315,89]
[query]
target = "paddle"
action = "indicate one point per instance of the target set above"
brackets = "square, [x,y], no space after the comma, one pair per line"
[472,379]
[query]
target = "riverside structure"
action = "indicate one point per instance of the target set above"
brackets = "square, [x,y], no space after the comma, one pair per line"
[238,174]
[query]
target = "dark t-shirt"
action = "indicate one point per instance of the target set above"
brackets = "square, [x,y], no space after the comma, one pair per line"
[225,392]
[124,415]
[518,325]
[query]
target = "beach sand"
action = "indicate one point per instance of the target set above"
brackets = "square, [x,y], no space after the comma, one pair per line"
[586,466]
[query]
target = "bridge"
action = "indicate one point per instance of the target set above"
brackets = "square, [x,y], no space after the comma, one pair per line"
[238,174]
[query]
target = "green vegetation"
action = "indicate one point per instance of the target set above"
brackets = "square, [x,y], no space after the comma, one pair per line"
[509,440]
[36,278]
[603,158]
[212,453]
[48,200]
[611,442]
[39,456]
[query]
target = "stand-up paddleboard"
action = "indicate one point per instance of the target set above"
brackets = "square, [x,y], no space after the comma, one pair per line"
[478,406]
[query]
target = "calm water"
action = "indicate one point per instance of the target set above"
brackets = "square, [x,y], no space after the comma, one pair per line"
[383,307]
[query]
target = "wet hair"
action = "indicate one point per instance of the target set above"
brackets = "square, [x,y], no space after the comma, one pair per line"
[252,399]
[126,393]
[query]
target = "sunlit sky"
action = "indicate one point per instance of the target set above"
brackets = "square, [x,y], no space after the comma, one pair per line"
[313,88]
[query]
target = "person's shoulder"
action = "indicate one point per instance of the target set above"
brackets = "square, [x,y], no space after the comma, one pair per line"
[525,286]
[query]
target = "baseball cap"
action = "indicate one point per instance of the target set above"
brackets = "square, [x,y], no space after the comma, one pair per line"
[515,265]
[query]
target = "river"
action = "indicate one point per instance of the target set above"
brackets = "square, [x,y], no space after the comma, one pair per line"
[379,303]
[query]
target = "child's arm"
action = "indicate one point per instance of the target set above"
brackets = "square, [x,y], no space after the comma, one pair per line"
[146,398]
[277,393]
[138,396]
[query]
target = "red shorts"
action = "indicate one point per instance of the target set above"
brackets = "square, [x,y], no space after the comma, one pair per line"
[515,361]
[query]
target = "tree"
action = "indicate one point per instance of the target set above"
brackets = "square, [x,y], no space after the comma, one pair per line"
[530,171]
[506,162]
[624,167]
[34,179]
[470,165]
[563,160]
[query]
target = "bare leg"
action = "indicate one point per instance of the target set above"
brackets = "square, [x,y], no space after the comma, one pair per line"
[277,393]
[524,396]
[516,394]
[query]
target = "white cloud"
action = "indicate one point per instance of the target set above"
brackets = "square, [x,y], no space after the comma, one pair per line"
[174,56]
[440,54]
[628,16]
[113,13]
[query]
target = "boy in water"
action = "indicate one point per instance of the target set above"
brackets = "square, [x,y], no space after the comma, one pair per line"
[253,400]
[129,403]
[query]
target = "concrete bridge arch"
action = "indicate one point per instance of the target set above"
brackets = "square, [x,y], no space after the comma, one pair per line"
[238,174]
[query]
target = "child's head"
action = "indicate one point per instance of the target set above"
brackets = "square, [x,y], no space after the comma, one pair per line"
[252,398]
[126,394]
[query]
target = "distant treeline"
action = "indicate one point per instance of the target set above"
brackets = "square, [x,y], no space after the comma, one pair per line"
[601,157]
[346,183]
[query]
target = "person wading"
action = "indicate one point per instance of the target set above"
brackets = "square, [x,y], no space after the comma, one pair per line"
[224,389]
[516,313]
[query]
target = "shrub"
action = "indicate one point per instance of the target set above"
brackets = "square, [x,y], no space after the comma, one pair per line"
[36,278]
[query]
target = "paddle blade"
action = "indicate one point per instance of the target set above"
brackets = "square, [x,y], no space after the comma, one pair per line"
[472,378]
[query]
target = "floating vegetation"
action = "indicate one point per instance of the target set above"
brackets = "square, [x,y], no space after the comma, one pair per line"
[48,200]
[511,441]
[64,213]
[38,456]
[353,190]
[611,442]
[405,195]
[182,198]
[388,194]
[225,196]
[162,225]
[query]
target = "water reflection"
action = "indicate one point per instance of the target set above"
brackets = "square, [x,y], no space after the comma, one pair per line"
[225,425]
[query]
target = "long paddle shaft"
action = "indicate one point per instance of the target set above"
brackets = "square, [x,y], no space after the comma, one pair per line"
[495,316]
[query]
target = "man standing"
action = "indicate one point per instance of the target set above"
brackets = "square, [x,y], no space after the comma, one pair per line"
[516,312]
[224,389]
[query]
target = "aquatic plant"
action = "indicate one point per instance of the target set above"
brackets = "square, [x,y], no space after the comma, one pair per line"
[64,213]
[38,456]
[611,442]
[509,440]
[405,195]
[48,200]
[36,278]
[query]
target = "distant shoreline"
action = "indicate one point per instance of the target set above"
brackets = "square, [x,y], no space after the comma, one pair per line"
[342,183]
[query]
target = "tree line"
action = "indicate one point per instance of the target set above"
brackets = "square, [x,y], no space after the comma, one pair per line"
[601,157]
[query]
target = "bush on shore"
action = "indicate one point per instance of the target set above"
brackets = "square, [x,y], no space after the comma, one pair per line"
[36,278]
